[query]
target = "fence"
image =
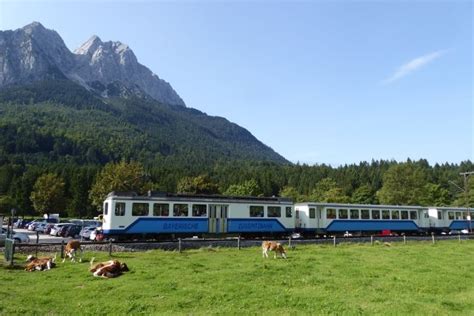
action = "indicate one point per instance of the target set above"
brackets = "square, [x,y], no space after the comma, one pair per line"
[9,251]
[184,244]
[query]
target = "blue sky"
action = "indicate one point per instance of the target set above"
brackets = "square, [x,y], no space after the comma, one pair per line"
[318,81]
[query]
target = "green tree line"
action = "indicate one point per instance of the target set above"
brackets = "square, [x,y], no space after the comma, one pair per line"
[79,190]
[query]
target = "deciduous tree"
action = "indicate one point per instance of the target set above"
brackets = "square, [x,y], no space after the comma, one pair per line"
[248,188]
[197,185]
[122,176]
[48,194]
[403,184]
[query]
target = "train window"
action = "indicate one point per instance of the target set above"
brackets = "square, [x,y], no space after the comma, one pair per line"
[140,209]
[274,211]
[385,214]
[312,212]
[458,215]
[106,208]
[342,213]
[354,214]
[119,209]
[289,212]
[450,215]
[180,210]
[375,214]
[199,210]
[395,214]
[161,209]
[440,215]
[404,214]
[330,213]
[413,215]
[464,215]
[472,216]
[256,211]
[365,214]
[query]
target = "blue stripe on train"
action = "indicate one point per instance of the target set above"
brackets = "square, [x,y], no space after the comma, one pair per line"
[197,225]
[244,225]
[164,226]
[459,225]
[371,225]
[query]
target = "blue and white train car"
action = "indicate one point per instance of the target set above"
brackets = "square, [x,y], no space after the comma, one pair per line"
[163,215]
[320,218]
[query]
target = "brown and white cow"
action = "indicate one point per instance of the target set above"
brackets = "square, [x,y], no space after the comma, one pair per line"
[273,246]
[108,269]
[40,264]
[71,249]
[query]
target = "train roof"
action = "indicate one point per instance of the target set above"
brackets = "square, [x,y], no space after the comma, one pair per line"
[180,196]
[380,206]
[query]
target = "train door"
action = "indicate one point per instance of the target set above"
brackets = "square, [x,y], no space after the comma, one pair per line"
[297,219]
[212,219]
[218,215]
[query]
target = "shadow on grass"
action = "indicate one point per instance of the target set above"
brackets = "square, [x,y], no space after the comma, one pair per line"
[14,267]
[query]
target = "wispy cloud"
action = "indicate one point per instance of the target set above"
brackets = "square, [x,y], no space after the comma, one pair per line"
[413,65]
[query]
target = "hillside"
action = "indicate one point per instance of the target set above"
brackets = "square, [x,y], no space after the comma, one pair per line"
[99,104]
[60,120]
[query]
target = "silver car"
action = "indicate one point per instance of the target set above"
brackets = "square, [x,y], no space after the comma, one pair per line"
[19,237]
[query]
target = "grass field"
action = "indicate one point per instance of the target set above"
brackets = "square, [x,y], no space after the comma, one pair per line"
[418,278]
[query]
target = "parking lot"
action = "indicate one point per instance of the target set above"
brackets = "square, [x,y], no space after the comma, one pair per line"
[40,237]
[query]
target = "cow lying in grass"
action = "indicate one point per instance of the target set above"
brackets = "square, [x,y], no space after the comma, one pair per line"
[40,264]
[71,249]
[273,246]
[108,269]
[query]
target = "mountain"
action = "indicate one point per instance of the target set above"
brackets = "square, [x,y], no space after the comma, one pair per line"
[33,53]
[99,104]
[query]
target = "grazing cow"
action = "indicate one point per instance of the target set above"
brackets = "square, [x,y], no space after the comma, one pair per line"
[71,249]
[108,269]
[273,246]
[40,264]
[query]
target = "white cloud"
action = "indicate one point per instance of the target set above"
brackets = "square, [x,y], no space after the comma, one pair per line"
[413,65]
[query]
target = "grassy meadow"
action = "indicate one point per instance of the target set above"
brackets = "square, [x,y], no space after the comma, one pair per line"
[417,278]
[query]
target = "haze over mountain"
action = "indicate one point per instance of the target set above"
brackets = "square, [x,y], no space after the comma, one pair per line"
[100,104]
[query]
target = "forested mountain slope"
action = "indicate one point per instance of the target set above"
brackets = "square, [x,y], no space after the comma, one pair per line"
[59,120]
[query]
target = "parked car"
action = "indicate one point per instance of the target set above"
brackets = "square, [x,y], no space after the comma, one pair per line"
[40,227]
[47,228]
[57,228]
[96,235]
[32,225]
[62,229]
[86,232]
[457,231]
[19,237]
[71,231]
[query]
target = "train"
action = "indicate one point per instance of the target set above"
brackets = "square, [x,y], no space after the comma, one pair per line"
[161,215]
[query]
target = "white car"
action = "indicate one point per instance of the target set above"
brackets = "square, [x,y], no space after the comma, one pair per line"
[19,237]
[55,230]
[86,232]
[96,234]
[456,232]
[40,227]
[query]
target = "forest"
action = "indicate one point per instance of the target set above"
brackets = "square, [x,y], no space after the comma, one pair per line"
[78,190]
[62,149]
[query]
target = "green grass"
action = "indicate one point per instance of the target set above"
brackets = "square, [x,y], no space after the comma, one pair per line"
[418,278]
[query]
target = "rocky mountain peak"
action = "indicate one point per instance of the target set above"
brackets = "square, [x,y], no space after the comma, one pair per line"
[89,47]
[34,26]
[35,52]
